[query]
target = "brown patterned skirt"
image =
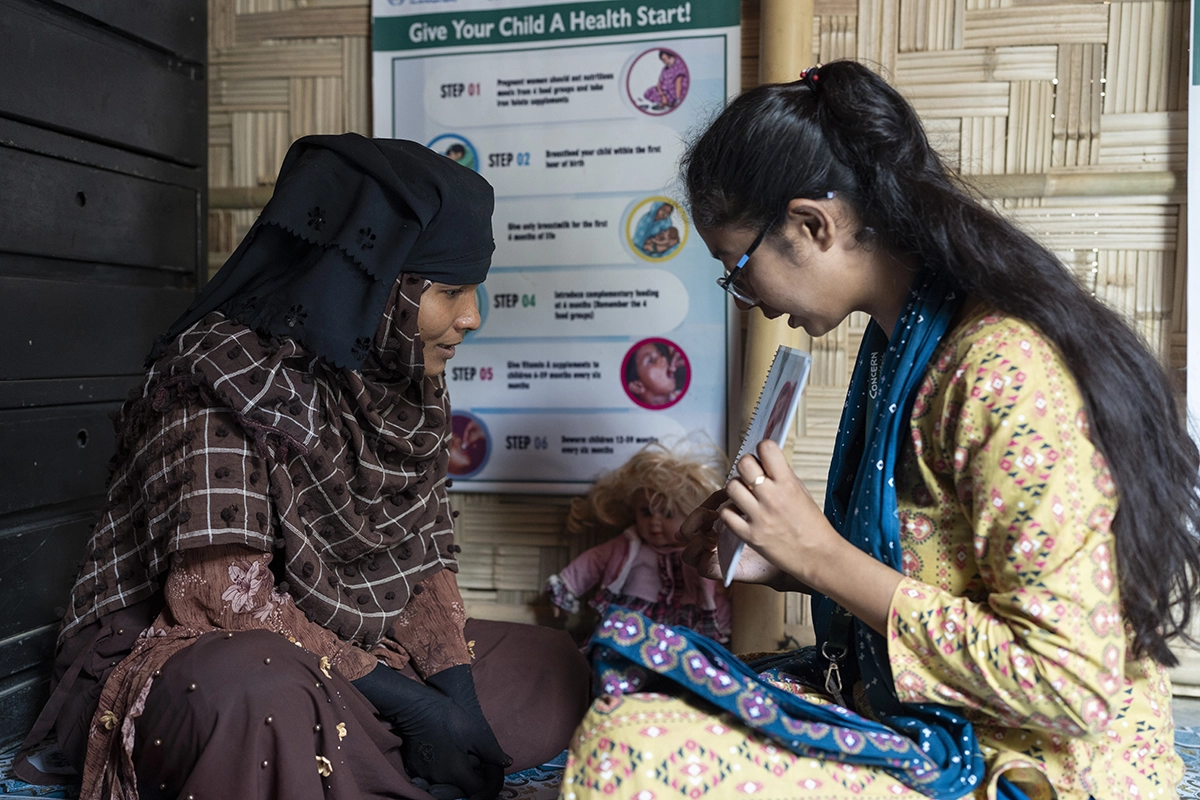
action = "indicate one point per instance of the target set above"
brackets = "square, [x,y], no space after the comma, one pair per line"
[250,715]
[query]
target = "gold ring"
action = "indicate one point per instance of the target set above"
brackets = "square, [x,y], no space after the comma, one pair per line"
[759,481]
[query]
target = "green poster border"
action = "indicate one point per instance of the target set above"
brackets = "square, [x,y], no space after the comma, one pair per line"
[390,34]
[1194,44]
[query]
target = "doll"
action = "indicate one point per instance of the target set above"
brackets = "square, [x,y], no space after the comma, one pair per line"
[640,568]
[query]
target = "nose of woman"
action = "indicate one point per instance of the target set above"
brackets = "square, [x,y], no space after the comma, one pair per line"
[469,319]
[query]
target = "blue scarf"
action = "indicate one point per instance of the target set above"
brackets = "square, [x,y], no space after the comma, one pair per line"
[861,504]
[936,752]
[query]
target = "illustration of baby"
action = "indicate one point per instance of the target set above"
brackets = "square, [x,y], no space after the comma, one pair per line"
[468,445]
[456,152]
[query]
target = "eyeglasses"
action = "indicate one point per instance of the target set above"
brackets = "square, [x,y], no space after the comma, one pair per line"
[729,281]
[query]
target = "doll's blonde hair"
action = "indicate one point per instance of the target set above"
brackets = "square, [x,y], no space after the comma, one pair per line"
[671,480]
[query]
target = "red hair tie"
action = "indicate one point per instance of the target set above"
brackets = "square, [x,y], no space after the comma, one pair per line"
[811,75]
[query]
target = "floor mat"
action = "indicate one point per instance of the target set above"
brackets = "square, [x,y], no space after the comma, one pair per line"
[542,783]
[536,783]
[1187,744]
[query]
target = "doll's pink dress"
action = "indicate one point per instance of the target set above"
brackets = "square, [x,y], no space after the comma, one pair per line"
[647,579]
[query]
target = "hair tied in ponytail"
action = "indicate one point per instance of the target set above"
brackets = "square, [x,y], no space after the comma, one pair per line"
[810,77]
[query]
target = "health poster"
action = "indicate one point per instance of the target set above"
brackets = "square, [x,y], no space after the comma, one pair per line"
[603,328]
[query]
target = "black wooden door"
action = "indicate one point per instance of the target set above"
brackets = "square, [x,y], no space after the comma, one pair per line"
[103,141]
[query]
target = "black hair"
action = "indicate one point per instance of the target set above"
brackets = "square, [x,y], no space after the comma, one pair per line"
[456,148]
[842,128]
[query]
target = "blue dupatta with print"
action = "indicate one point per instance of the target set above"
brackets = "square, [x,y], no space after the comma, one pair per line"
[929,747]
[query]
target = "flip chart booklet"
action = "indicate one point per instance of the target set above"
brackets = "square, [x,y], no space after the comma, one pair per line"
[772,419]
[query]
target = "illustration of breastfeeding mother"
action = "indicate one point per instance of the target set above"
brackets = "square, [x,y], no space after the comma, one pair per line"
[672,83]
[656,235]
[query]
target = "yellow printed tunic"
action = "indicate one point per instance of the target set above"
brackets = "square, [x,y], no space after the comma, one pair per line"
[1009,610]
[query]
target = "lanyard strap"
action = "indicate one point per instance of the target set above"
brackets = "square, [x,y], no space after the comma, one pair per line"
[834,650]
[837,646]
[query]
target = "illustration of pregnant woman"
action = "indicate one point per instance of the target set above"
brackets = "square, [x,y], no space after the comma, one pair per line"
[672,83]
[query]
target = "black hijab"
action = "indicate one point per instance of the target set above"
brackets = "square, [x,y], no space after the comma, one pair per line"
[347,216]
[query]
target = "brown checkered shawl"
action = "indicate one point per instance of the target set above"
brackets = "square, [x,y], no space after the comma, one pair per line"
[237,439]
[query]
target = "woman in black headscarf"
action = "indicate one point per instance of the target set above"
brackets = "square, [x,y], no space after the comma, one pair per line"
[275,564]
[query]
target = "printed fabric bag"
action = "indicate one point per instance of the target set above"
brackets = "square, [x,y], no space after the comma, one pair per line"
[629,653]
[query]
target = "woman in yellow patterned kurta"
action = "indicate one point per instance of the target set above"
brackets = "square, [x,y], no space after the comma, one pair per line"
[1020,597]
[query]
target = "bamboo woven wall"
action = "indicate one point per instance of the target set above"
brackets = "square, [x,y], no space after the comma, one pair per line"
[1033,98]
[1007,87]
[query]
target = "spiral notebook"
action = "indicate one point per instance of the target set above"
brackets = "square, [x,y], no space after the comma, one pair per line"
[773,415]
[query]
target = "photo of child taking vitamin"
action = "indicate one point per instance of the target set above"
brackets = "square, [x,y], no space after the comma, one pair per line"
[656,373]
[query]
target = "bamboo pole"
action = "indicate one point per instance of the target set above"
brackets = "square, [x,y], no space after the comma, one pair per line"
[786,49]
[1089,183]
[239,196]
[1075,183]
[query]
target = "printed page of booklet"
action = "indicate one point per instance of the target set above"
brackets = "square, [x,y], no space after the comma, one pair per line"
[773,415]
